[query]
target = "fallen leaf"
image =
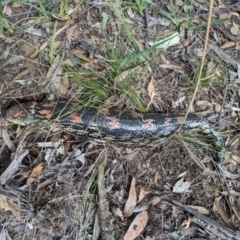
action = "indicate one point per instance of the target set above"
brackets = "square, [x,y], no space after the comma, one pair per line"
[217,108]
[179,102]
[54,72]
[126,73]
[130,13]
[142,192]
[171,66]
[40,190]
[151,90]
[129,157]
[218,208]
[187,222]
[45,44]
[64,84]
[231,192]
[7,10]
[44,184]
[70,33]
[233,203]
[181,186]
[132,199]
[137,226]
[105,18]
[203,104]
[228,45]
[35,173]
[156,177]
[21,74]
[8,205]
[80,54]
[179,2]
[17,5]
[34,31]
[167,42]
[234,29]
[8,141]
[66,143]
[200,209]
[146,202]
[198,52]
[119,213]
[183,174]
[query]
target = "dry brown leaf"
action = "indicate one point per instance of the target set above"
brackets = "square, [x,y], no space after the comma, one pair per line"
[54,73]
[44,45]
[8,141]
[171,66]
[16,5]
[224,15]
[203,104]
[178,103]
[156,177]
[54,67]
[142,192]
[64,85]
[146,202]
[187,222]
[66,142]
[39,192]
[119,213]
[35,52]
[70,33]
[218,207]
[35,173]
[198,52]
[80,54]
[21,74]
[200,209]
[151,89]
[228,45]
[233,204]
[232,193]
[129,157]
[8,205]
[234,29]
[126,73]
[137,226]
[38,196]
[7,10]
[132,199]
[178,2]
[233,158]
[44,184]
[218,107]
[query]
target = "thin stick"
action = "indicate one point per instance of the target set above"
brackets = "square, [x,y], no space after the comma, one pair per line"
[202,63]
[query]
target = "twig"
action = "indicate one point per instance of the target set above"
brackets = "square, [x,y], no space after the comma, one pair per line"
[202,63]
[12,168]
[228,232]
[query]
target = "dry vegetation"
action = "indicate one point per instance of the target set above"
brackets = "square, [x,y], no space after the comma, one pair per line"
[179,56]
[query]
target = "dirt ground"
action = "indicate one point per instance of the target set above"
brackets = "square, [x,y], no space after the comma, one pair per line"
[61,185]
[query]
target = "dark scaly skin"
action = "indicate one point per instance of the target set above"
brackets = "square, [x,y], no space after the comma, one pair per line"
[112,125]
